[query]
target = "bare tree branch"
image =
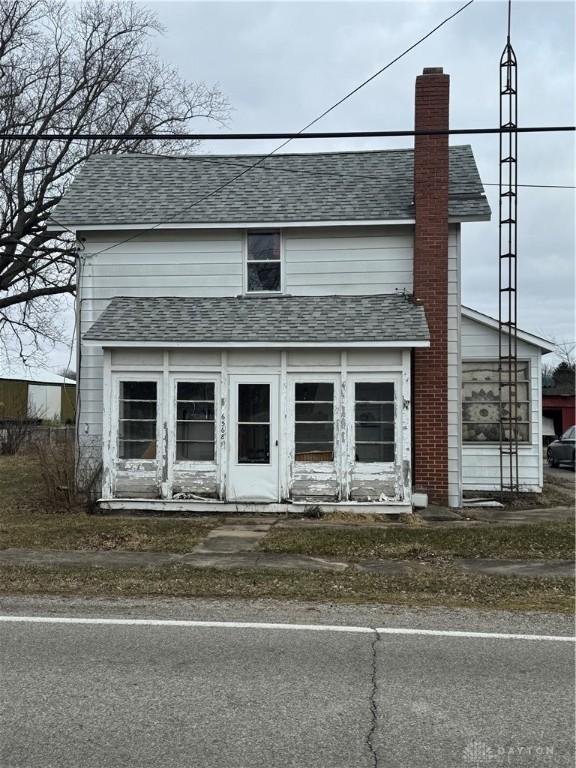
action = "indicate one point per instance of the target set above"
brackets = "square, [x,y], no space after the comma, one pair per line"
[73,69]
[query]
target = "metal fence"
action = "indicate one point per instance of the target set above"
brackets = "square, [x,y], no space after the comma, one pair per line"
[21,436]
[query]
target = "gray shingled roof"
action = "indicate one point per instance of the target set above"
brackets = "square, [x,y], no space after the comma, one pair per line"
[316,319]
[334,186]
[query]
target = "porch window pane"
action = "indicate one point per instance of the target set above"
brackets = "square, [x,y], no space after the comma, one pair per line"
[137,420]
[374,452]
[187,450]
[374,421]
[374,412]
[199,411]
[482,409]
[137,449]
[374,432]
[137,430]
[314,411]
[195,421]
[316,431]
[137,409]
[138,390]
[195,430]
[315,452]
[314,392]
[196,390]
[314,421]
[375,391]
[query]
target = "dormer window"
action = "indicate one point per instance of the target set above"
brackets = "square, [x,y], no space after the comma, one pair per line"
[263,262]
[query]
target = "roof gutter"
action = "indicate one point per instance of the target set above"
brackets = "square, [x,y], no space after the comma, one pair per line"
[253,224]
[118,343]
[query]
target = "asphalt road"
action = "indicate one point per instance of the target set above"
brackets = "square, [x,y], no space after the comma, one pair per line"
[111,695]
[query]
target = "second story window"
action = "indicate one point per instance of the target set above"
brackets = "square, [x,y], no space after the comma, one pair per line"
[263,262]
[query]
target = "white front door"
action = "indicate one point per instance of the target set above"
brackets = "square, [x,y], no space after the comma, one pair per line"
[253,429]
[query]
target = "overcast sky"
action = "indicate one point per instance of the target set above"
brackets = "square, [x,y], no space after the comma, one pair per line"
[282,63]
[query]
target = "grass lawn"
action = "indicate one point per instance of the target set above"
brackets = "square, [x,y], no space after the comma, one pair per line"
[26,523]
[554,540]
[434,586]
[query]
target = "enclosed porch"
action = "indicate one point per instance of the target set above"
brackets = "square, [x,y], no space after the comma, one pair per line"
[275,423]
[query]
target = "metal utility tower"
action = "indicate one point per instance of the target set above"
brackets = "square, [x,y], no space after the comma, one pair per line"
[508,270]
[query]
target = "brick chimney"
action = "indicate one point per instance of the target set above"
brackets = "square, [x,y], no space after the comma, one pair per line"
[430,366]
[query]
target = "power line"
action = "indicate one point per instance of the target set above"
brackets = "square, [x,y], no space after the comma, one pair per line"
[289,136]
[383,69]
[234,162]
[288,140]
[532,186]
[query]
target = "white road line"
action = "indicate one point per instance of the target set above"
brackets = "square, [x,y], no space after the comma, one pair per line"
[265,625]
[460,633]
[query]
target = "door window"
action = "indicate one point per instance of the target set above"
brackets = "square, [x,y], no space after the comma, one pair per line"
[253,423]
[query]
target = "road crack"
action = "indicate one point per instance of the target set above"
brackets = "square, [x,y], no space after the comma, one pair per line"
[371,735]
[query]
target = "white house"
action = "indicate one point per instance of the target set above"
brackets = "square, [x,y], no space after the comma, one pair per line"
[291,337]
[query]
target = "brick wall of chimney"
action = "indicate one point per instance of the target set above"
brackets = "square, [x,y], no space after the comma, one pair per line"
[430,366]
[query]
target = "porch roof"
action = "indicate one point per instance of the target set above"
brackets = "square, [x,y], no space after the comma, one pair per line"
[381,320]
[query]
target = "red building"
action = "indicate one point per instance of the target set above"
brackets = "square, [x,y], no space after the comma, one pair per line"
[558,400]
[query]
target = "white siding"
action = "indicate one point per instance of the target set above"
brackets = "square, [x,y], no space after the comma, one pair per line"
[331,260]
[205,263]
[481,463]
[348,260]
[454,383]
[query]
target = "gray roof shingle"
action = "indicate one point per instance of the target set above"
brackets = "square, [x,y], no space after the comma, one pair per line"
[333,186]
[289,319]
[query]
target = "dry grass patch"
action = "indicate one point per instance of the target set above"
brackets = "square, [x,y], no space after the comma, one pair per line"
[553,540]
[432,586]
[558,491]
[28,522]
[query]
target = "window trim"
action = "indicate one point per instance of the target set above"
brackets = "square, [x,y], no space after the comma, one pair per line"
[173,410]
[298,379]
[319,467]
[522,444]
[361,378]
[280,261]
[119,377]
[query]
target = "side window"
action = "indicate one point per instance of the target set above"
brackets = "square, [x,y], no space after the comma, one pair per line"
[137,420]
[314,421]
[263,262]
[374,421]
[481,409]
[569,434]
[195,422]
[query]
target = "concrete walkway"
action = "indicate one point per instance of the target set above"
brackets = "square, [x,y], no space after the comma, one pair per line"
[235,545]
[205,557]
